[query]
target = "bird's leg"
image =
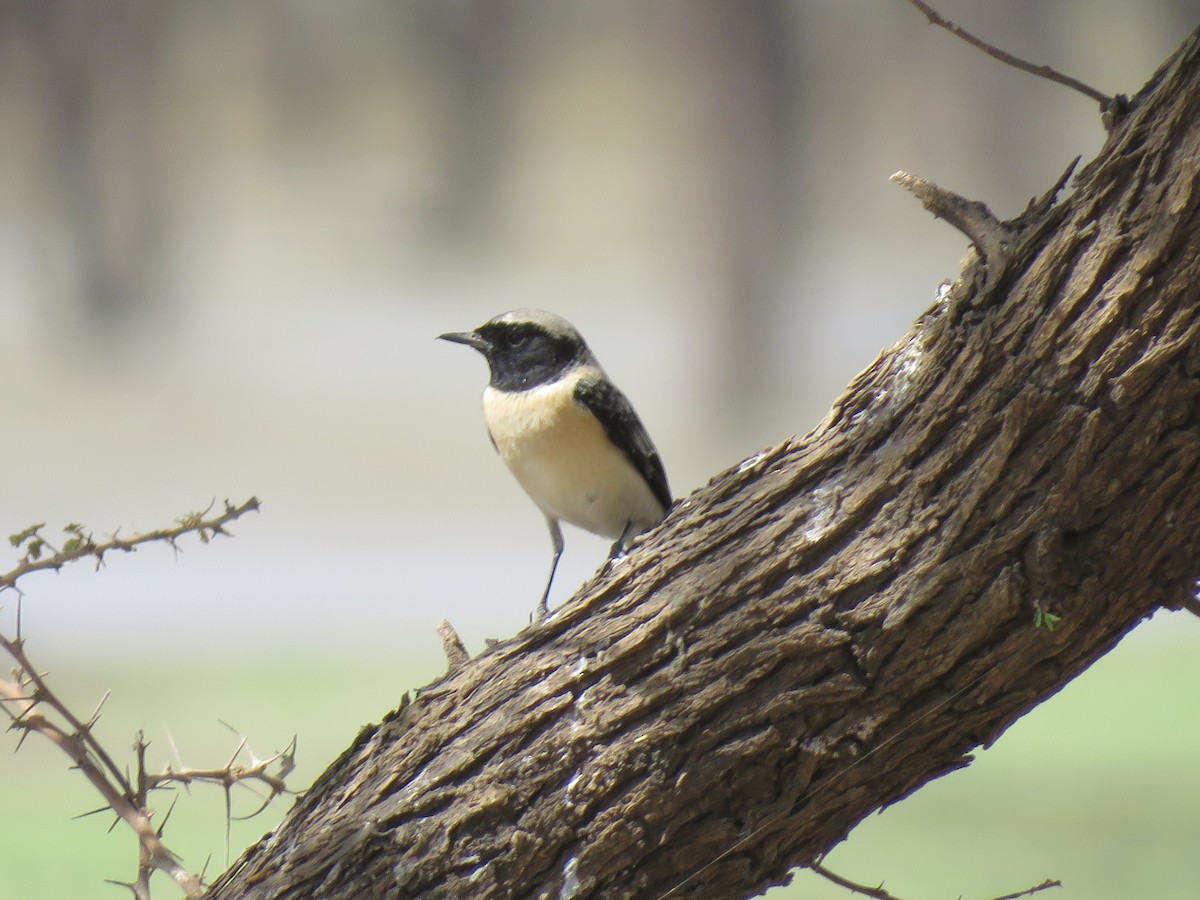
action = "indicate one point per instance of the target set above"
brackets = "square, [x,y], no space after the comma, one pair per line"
[557,539]
[618,549]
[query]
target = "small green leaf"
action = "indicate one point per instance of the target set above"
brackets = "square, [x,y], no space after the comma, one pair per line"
[1045,619]
[22,536]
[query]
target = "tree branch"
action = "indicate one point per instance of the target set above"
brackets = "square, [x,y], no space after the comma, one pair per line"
[95,764]
[971,217]
[1042,71]
[81,544]
[1036,889]
[880,894]
[877,892]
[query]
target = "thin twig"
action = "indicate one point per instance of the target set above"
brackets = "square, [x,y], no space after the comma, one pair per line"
[1029,892]
[140,889]
[878,893]
[193,523]
[971,217]
[42,693]
[113,788]
[128,796]
[1016,62]
[231,773]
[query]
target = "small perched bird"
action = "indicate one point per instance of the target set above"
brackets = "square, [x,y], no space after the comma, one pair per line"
[566,432]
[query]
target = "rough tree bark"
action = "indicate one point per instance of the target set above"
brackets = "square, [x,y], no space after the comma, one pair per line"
[842,618]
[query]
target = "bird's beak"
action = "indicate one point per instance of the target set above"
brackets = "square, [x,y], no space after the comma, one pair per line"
[470,338]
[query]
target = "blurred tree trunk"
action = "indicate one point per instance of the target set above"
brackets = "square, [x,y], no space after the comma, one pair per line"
[832,624]
[476,42]
[743,56]
[99,67]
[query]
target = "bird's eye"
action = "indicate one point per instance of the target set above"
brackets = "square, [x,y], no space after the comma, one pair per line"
[515,338]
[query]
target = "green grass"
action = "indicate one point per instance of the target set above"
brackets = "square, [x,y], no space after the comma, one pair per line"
[1098,787]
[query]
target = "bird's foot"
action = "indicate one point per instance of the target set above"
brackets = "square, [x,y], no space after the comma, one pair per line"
[621,544]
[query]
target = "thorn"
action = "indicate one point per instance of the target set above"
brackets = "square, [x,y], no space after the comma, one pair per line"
[167,816]
[96,713]
[92,812]
[236,753]
[174,746]
[125,884]
[1047,199]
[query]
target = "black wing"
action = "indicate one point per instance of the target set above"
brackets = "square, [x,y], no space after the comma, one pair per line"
[623,427]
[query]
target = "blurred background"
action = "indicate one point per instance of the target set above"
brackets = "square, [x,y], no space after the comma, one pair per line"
[229,233]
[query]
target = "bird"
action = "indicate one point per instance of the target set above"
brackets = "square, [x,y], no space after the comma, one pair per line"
[569,436]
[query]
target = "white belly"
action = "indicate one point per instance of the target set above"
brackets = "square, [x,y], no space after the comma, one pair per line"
[561,456]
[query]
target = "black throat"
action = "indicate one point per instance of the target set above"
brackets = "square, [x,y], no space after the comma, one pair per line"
[523,355]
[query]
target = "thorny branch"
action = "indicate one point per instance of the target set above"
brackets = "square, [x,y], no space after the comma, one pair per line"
[81,544]
[1036,889]
[32,706]
[854,887]
[24,697]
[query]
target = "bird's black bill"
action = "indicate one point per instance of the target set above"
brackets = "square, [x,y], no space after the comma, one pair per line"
[470,338]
